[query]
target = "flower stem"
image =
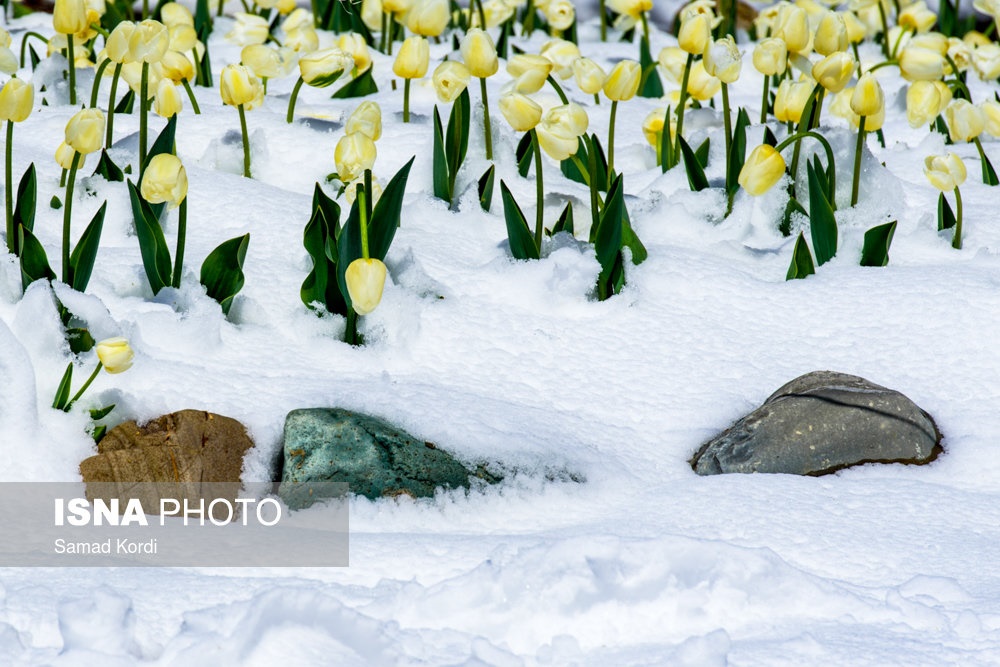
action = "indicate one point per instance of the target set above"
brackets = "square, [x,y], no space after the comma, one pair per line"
[539,190]
[97,82]
[84,388]
[24,44]
[143,120]
[683,101]
[956,242]
[604,20]
[365,211]
[111,106]
[72,69]
[246,141]
[798,136]
[611,137]
[885,30]
[68,218]
[595,200]
[406,100]
[486,120]
[194,101]
[181,237]
[291,100]
[558,89]
[12,243]
[727,122]
[857,161]
[765,98]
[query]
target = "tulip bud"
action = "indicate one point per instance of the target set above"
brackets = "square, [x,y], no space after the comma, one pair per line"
[831,34]
[367,119]
[562,54]
[695,34]
[167,102]
[529,71]
[174,13]
[723,60]
[117,44]
[8,61]
[115,354]
[856,31]
[673,60]
[934,41]
[365,280]
[450,78]
[986,60]
[164,181]
[834,71]
[623,81]
[64,156]
[916,17]
[132,73]
[428,18]
[183,38]
[560,14]
[85,131]
[249,29]
[148,42]
[991,113]
[304,38]
[965,120]
[763,168]
[792,26]
[16,99]
[868,98]
[920,64]
[770,56]
[522,112]
[923,103]
[355,45]
[945,172]
[480,54]
[69,16]
[177,67]
[589,76]
[321,68]
[371,14]
[790,100]
[989,7]
[238,85]
[413,58]
[354,153]
[268,62]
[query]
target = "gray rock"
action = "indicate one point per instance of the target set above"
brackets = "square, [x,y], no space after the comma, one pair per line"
[819,423]
[375,458]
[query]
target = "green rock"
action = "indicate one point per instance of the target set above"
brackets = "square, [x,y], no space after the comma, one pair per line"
[376,459]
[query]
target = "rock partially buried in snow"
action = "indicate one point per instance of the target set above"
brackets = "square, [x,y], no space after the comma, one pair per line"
[819,423]
[372,456]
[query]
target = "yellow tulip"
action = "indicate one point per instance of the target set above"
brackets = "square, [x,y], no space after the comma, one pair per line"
[917,17]
[174,13]
[85,131]
[965,120]
[132,73]
[529,71]
[790,100]
[64,156]
[268,62]
[933,41]
[16,100]
[792,26]
[831,34]
[167,102]
[249,29]
[590,77]
[480,54]
[763,168]
[695,34]
[770,56]
[428,18]
[623,81]
[354,153]
[148,42]
[986,60]
[560,14]
[945,172]
[117,44]
[321,68]
[673,60]
[522,112]
[723,60]
[413,58]
[367,119]
[562,54]
[991,114]
[115,354]
[69,16]
[165,181]
[702,86]
[920,64]
[365,280]
[834,72]
[450,78]
[238,85]
[177,67]
[355,45]
[856,31]
[868,98]
[923,103]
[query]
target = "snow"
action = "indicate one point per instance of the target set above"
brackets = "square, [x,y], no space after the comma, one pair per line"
[602,547]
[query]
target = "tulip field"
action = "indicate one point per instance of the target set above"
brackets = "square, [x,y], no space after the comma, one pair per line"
[569,243]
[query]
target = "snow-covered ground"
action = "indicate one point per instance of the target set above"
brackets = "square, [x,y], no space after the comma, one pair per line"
[639,562]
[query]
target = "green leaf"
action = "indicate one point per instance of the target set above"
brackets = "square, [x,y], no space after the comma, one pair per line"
[695,172]
[101,413]
[737,151]
[99,432]
[989,174]
[361,86]
[945,216]
[202,17]
[33,57]
[152,245]
[769,137]
[55,203]
[650,86]
[82,260]
[457,144]
[808,111]
[34,262]
[569,167]
[702,153]
[107,168]
[62,393]
[802,262]
[440,161]
[125,105]
[385,217]
[877,241]
[486,188]
[27,200]
[79,340]
[222,271]
[631,240]
[165,141]
[602,177]
[321,283]
[349,249]
[522,242]
[524,153]
[822,223]
[793,206]
[608,240]
[668,154]
[330,208]
[565,221]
